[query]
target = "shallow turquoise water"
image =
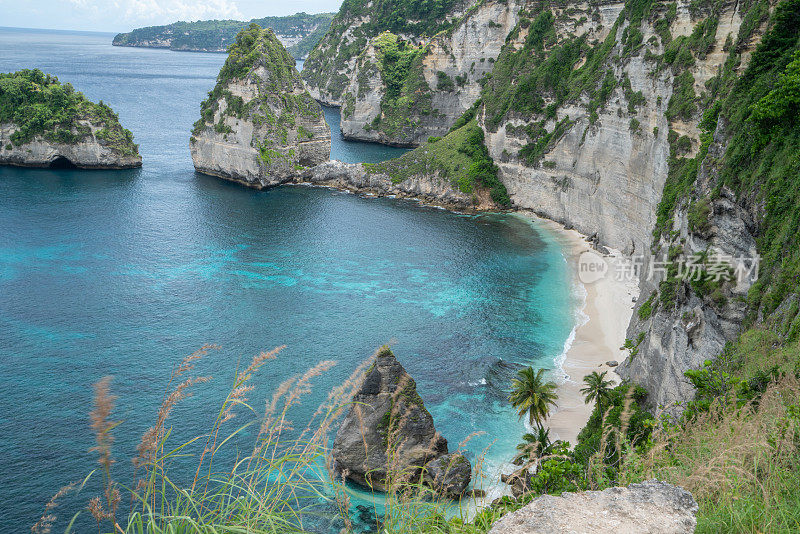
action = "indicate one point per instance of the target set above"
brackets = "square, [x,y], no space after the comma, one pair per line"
[123,273]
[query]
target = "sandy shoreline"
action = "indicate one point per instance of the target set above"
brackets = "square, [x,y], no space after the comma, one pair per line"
[607,312]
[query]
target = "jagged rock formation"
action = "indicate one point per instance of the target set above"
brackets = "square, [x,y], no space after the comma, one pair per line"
[388,435]
[650,507]
[299,33]
[400,84]
[259,126]
[46,124]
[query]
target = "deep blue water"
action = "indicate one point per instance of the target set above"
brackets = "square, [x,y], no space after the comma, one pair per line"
[123,273]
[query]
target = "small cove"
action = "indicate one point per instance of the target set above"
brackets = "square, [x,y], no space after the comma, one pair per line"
[123,273]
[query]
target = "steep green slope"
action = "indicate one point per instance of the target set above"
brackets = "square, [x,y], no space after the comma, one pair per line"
[302,30]
[460,157]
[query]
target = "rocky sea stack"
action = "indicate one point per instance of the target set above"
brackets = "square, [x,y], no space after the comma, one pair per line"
[44,123]
[259,126]
[388,434]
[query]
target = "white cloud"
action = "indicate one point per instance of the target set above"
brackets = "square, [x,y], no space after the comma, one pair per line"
[160,11]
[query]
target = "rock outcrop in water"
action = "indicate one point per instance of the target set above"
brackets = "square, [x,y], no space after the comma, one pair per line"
[389,435]
[44,123]
[455,172]
[356,177]
[650,507]
[259,126]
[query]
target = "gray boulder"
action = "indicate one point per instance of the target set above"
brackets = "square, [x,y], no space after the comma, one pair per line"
[650,507]
[449,474]
[388,434]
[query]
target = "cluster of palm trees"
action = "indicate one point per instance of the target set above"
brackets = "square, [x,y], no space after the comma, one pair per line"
[533,396]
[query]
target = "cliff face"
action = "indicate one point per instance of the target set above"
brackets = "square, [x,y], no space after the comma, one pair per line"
[259,126]
[687,327]
[592,151]
[90,151]
[44,123]
[736,224]
[592,115]
[330,66]
[404,90]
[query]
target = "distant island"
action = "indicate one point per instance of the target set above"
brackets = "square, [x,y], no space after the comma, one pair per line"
[44,123]
[299,33]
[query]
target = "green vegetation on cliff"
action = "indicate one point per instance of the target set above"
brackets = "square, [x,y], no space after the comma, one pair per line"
[758,112]
[762,161]
[537,79]
[38,104]
[412,17]
[679,56]
[255,47]
[407,93]
[360,21]
[217,35]
[460,157]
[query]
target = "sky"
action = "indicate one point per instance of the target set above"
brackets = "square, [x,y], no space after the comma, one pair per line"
[124,15]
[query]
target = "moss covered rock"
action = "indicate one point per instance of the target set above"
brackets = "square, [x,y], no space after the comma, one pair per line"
[258,125]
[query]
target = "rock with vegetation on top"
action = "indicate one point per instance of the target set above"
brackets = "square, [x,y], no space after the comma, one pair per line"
[258,125]
[388,433]
[650,507]
[44,123]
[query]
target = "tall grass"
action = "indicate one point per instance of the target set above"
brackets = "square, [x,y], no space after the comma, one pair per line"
[742,464]
[281,485]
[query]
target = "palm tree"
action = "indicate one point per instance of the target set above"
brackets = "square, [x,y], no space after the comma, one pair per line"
[534,446]
[597,388]
[532,395]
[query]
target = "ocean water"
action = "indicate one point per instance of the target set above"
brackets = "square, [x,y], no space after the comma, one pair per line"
[123,273]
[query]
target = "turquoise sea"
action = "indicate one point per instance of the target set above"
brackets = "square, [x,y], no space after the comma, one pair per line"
[123,273]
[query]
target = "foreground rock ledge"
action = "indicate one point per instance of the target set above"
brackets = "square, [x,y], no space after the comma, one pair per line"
[650,507]
[388,434]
